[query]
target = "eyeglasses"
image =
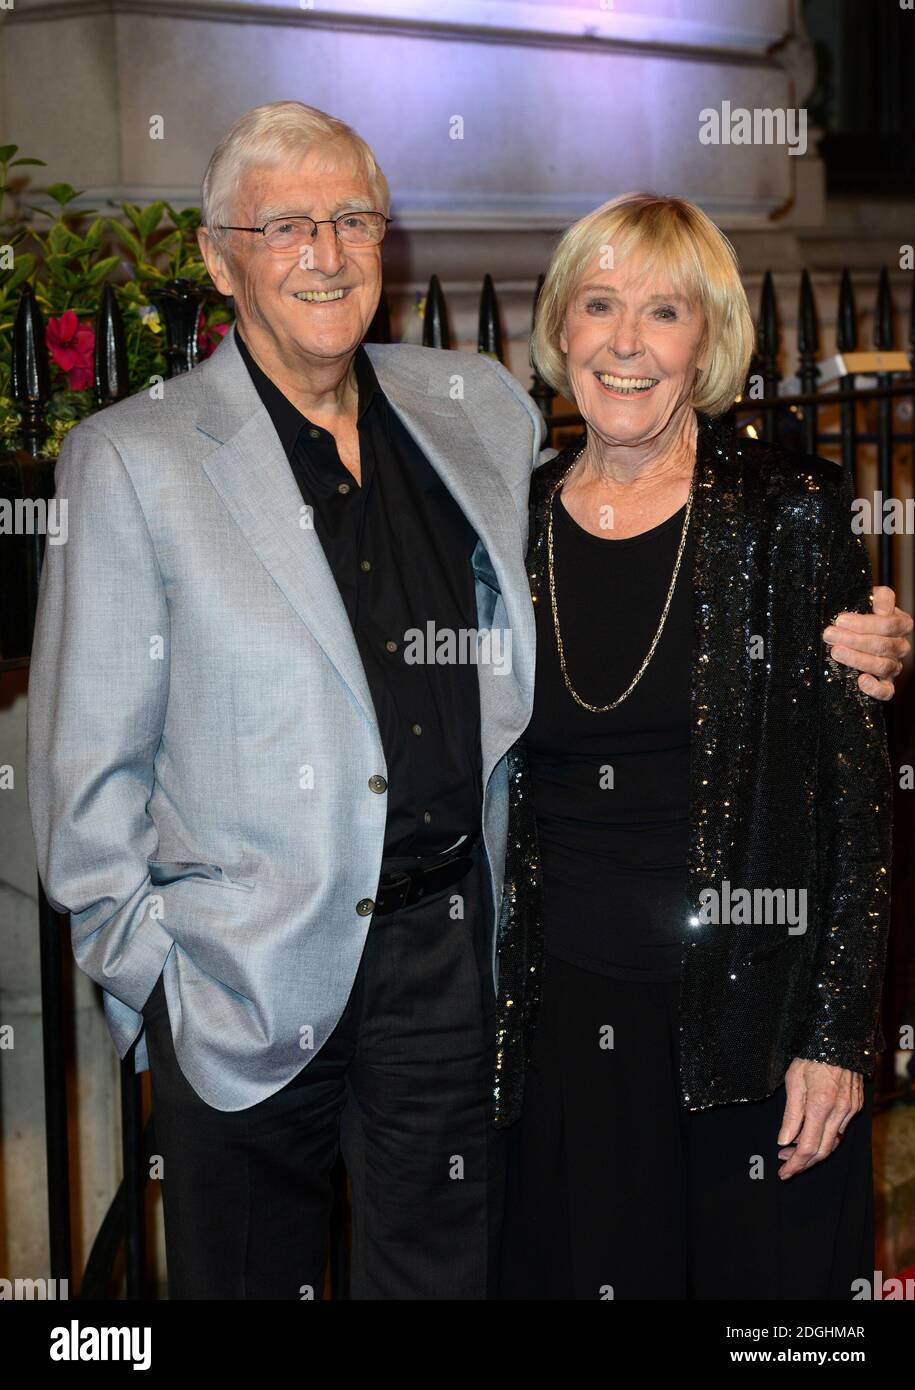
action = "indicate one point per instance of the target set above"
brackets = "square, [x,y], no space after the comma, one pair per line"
[295,233]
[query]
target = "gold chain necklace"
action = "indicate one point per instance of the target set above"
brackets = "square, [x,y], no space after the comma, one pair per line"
[603,709]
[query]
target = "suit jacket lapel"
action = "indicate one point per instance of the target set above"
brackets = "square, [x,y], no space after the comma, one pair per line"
[446,435]
[251,473]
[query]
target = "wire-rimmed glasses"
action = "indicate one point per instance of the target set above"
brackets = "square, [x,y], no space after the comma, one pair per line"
[296,232]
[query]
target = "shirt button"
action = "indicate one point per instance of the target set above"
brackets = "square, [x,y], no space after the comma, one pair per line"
[377,783]
[391,646]
[427,817]
[365,907]
[314,434]
[365,565]
[417,728]
[343,487]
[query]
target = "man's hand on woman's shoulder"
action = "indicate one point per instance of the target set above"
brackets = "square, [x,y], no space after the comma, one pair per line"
[873,643]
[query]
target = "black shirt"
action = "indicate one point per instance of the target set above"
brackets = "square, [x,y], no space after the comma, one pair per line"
[399,548]
[611,790]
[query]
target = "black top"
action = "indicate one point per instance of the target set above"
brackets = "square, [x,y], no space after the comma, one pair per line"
[611,790]
[400,550]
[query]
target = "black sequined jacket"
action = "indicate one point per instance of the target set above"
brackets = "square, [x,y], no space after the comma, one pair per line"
[790,788]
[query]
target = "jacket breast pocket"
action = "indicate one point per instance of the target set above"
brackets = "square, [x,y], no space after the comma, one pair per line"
[162,871]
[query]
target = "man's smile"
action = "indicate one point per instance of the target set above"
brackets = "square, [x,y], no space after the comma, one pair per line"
[322,296]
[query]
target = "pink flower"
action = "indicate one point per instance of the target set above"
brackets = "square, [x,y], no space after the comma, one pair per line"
[209,340]
[72,348]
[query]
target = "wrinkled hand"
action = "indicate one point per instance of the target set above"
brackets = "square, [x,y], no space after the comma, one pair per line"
[874,643]
[821,1102]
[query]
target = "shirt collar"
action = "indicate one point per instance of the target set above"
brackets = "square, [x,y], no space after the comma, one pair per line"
[287,419]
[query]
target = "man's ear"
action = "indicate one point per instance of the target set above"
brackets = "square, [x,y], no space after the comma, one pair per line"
[215,261]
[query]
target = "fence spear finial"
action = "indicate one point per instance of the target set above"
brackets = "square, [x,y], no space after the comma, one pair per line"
[112,381]
[31,374]
[489,335]
[435,320]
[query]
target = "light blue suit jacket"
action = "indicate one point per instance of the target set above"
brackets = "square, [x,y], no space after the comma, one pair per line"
[200,729]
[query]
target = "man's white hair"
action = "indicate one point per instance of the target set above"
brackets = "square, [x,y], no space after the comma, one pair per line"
[278,133]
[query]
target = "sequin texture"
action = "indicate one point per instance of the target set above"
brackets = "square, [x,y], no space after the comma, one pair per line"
[520,944]
[791,787]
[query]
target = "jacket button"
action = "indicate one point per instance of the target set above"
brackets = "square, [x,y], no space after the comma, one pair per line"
[365,907]
[377,783]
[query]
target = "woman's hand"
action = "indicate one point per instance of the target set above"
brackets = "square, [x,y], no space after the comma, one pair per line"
[874,643]
[821,1100]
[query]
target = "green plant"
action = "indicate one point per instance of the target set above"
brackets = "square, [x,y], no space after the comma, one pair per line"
[67,257]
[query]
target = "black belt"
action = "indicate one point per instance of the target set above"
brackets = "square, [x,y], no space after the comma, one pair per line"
[423,876]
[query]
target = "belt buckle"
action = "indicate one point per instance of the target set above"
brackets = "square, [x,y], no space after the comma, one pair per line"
[410,886]
[400,884]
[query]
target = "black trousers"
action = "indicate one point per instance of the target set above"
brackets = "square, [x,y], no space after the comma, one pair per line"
[402,1086]
[615,1191]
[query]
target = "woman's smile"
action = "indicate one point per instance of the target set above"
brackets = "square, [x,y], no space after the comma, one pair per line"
[624,388]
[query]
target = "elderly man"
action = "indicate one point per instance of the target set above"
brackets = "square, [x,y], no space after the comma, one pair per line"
[264,783]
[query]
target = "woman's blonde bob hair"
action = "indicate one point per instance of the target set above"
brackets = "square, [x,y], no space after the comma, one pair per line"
[685,251]
[277,134]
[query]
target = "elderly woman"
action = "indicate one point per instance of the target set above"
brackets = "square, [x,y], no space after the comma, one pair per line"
[710,794]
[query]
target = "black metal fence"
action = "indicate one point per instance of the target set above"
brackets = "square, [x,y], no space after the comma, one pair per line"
[853,423]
